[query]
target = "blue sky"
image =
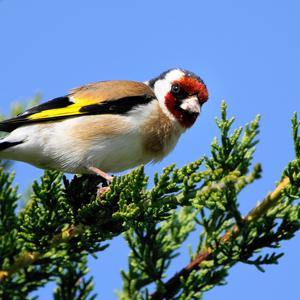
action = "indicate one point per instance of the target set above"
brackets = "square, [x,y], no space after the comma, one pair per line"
[247,52]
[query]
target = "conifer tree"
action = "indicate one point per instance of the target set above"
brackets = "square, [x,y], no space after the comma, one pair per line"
[64,221]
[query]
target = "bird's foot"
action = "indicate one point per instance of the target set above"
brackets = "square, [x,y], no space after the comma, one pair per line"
[108,178]
[102,190]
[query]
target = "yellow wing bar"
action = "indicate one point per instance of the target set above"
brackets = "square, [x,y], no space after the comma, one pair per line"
[71,110]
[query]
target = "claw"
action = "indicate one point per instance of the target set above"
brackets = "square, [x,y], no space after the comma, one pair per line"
[108,178]
[102,191]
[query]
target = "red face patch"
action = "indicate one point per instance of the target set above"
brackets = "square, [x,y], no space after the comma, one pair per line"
[185,119]
[191,87]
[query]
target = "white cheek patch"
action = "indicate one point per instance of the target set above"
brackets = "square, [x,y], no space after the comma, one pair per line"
[191,105]
[163,86]
[161,89]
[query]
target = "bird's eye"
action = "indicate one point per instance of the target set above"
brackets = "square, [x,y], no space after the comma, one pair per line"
[175,89]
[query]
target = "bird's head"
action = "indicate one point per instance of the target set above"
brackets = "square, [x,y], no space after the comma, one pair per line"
[181,95]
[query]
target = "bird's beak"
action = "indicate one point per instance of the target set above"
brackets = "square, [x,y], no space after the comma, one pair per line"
[191,105]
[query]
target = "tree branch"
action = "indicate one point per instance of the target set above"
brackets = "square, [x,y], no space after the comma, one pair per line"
[173,284]
[28,258]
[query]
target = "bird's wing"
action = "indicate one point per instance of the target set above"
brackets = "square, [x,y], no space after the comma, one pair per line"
[107,97]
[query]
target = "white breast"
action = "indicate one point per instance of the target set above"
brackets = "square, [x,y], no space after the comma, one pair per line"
[71,146]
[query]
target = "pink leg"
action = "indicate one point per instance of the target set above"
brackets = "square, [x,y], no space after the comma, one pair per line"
[102,174]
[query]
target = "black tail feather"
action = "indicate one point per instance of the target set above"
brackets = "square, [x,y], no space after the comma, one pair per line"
[12,124]
[5,145]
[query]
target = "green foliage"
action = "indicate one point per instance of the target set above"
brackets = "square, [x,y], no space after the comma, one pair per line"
[8,219]
[64,221]
[71,283]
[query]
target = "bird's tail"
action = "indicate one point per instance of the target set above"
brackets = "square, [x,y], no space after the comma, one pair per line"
[5,128]
[4,145]
[9,125]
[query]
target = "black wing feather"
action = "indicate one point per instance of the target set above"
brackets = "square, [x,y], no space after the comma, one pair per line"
[60,102]
[22,119]
[118,106]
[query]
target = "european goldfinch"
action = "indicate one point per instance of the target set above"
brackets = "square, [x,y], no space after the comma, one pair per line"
[110,125]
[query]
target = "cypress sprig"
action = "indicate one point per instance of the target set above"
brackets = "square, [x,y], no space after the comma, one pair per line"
[64,221]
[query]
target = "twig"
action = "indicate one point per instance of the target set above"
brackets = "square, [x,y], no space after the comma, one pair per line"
[172,285]
[28,258]
[267,203]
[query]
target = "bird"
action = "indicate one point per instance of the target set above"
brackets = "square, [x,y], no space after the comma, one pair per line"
[107,126]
